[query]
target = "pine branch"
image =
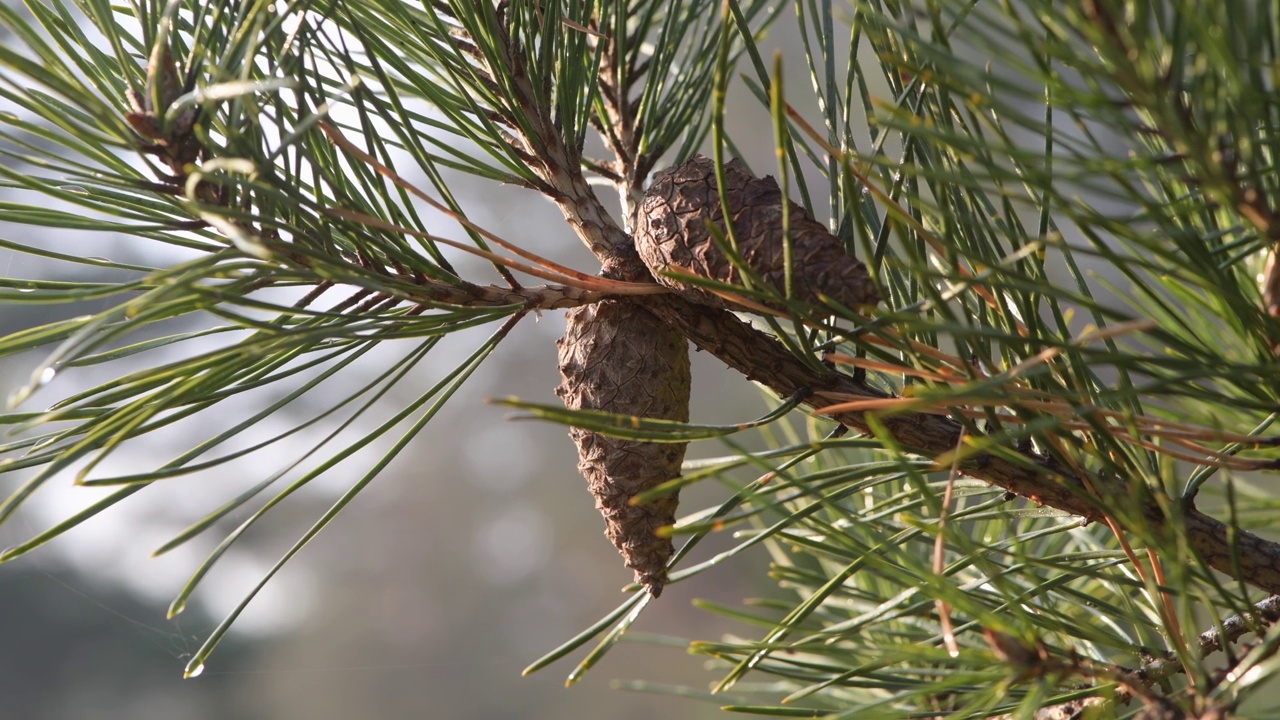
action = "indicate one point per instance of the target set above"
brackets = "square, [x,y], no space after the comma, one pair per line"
[513,89]
[1263,615]
[537,297]
[1259,619]
[557,164]
[761,358]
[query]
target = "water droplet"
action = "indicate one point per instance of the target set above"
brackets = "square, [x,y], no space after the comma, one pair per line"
[26,290]
[194,671]
[76,189]
[46,375]
[98,259]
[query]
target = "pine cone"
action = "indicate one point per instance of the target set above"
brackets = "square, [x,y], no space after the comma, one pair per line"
[671,230]
[616,357]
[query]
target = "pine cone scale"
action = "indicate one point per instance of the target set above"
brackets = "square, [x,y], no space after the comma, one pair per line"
[672,234]
[616,357]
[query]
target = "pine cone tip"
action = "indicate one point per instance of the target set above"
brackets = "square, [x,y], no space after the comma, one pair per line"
[615,356]
[653,583]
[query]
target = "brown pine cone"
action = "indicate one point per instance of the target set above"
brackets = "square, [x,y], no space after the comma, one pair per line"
[619,358]
[672,234]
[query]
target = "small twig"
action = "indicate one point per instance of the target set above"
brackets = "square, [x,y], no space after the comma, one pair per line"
[543,268]
[1155,672]
[375,303]
[1265,613]
[351,300]
[558,165]
[536,297]
[948,406]
[313,294]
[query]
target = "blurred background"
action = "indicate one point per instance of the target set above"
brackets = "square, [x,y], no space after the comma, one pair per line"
[477,551]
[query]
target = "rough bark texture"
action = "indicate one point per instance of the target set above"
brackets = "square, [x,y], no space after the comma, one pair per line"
[1045,481]
[614,356]
[761,358]
[672,234]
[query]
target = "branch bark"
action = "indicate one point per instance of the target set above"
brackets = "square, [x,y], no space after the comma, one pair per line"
[533,297]
[1039,478]
[762,358]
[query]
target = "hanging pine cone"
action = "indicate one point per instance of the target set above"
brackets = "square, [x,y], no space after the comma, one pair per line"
[616,357]
[672,234]
[619,358]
